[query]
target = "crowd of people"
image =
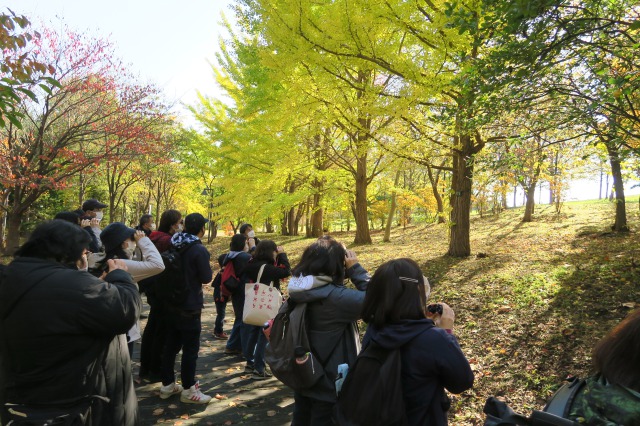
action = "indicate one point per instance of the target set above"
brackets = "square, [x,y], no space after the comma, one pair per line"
[70,304]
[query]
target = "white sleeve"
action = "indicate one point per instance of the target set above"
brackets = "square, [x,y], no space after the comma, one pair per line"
[151,263]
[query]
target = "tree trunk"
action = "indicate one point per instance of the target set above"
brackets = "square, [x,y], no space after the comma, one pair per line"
[362,220]
[460,199]
[14,220]
[620,224]
[392,211]
[436,193]
[530,193]
[268,226]
[317,215]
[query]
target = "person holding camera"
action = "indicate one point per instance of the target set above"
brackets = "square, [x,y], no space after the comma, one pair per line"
[431,357]
[332,312]
[62,348]
[276,267]
[120,242]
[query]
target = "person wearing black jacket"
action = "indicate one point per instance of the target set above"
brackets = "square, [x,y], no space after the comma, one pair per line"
[239,257]
[276,267]
[84,223]
[184,322]
[62,330]
[431,357]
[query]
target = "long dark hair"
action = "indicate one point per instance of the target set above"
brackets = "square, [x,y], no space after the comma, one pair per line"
[56,240]
[617,355]
[168,218]
[395,292]
[323,257]
[264,251]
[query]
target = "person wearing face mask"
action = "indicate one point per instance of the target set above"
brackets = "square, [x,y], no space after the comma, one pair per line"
[146,224]
[155,331]
[92,209]
[252,240]
[120,242]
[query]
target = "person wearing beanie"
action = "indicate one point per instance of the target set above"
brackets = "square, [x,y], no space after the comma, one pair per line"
[184,322]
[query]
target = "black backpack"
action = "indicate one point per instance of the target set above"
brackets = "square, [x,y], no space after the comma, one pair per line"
[171,285]
[372,391]
[288,333]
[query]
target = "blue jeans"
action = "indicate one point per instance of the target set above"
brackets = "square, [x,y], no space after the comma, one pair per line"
[253,344]
[183,332]
[235,339]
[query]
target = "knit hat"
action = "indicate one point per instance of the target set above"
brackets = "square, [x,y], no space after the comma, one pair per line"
[115,234]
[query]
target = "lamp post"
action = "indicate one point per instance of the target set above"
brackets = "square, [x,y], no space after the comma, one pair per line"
[207,191]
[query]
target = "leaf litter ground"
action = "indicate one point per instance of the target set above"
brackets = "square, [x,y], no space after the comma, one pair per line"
[530,304]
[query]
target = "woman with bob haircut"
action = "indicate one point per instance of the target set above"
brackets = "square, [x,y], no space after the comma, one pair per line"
[612,394]
[395,309]
[332,312]
[62,331]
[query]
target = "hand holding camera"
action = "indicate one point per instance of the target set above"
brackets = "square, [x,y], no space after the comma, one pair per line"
[138,234]
[85,222]
[442,315]
[94,222]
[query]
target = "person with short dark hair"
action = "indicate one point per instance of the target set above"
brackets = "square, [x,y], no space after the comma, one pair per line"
[66,328]
[612,395]
[394,309]
[276,268]
[92,209]
[75,218]
[146,224]
[332,312]
[184,322]
[155,331]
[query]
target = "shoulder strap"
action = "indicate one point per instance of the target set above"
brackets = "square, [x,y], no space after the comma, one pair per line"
[561,401]
[260,275]
[187,246]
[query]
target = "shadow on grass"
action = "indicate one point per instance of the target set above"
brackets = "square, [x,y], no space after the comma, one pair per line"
[563,315]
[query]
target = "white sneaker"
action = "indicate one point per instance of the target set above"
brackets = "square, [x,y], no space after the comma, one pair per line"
[170,389]
[193,395]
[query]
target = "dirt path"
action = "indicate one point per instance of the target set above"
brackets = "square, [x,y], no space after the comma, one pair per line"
[242,400]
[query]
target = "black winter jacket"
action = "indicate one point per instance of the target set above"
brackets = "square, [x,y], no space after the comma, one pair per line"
[55,324]
[272,272]
[431,362]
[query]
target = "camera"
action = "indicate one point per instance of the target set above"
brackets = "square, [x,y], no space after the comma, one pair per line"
[435,308]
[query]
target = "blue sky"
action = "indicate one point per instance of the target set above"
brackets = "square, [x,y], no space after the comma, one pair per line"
[168,43]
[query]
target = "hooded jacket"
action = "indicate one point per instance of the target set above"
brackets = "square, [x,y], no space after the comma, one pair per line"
[57,325]
[332,310]
[431,362]
[197,269]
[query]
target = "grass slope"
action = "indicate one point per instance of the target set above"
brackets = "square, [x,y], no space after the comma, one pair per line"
[532,300]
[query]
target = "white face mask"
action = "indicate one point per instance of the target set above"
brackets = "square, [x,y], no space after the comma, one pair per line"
[153,226]
[179,228]
[131,245]
[99,215]
[251,234]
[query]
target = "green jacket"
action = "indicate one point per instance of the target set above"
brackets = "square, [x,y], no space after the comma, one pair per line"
[600,403]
